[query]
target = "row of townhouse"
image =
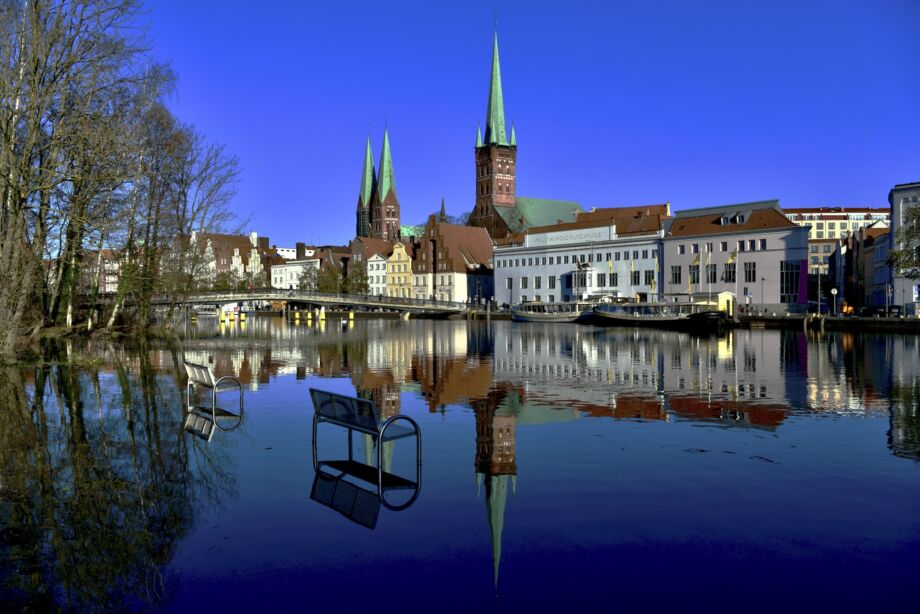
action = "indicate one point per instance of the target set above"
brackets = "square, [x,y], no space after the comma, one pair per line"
[445,262]
[645,254]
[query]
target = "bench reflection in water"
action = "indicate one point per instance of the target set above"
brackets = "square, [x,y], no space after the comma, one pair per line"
[353,488]
[201,420]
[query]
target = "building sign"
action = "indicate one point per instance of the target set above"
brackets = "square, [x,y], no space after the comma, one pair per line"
[567,237]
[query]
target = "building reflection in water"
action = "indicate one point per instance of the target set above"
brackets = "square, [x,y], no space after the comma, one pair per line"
[532,373]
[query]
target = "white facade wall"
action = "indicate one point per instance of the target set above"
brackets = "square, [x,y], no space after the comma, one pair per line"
[287,276]
[901,198]
[757,267]
[541,268]
[377,275]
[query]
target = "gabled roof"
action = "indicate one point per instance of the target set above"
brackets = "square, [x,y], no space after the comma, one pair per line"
[746,217]
[529,212]
[370,245]
[467,247]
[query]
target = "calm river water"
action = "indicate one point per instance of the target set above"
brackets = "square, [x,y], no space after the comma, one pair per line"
[562,466]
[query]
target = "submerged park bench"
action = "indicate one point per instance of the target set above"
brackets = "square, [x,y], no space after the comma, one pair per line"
[202,377]
[354,414]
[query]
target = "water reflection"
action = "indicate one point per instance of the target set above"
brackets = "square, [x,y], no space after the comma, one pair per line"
[98,485]
[103,479]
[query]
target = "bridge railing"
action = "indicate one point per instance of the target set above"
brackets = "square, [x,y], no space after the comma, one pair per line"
[325,297]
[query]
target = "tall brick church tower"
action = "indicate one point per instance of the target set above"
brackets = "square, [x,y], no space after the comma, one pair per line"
[384,204]
[496,159]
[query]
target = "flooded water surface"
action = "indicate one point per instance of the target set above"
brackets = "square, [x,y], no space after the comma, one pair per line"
[561,466]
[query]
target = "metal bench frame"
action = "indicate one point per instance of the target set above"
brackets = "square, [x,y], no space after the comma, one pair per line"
[350,420]
[202,376]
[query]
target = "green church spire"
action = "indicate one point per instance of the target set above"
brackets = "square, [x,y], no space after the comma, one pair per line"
[495,113]
[368,176]
[386,181]
[478,136]
[513,138]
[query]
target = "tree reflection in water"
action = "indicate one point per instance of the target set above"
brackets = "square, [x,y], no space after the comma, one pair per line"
[98,485]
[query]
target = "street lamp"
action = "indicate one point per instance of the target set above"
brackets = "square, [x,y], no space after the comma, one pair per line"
[834,295]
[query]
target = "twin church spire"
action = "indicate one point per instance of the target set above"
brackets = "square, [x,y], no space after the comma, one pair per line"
[378,206]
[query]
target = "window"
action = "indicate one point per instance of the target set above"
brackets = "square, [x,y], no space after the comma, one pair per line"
[566,260]
[614,279]
[832,225]
[551,298]
[523,298]
[752,245]
[655,253]
[695,248]
[826,259]
[788,281]
[644,253]
[676,274]
[601,280]
[608,256]
[523,283]
[827,249]
[510,281]
[681,249]
[591,258]
[694,273]
[820,234]
[552,283]
[552,260]
[635,278]
[616,256]
[814,249]
[635,254]
[544,261]
[709,247]
[816,259]
[741,245]
[711,273]
[582,258]
[530,262]
[537,282]
[723,246]
[650,278]
[750,272]
[763,244]
[626,255]
[728,276]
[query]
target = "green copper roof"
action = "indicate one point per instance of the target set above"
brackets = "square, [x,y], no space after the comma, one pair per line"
[529,212]
[411,231]
[386,181]
[513,138]
[368,176]
[478,136]
[495,112]
[496,499]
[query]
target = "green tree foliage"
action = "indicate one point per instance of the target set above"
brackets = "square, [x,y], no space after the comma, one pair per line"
[906,257]
[308,279]
[356,280]
[329,279]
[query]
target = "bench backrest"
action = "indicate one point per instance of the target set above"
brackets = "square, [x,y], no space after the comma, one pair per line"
[200,374]
[352,411]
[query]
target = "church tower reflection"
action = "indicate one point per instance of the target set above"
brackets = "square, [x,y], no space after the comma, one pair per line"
[496,465]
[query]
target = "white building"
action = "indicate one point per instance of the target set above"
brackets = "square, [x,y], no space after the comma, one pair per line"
[827,225]
[750,250]
[611,251]
[377,274]
[286,276]
[901,198]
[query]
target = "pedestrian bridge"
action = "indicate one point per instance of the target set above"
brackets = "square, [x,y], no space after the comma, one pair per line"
[321,299]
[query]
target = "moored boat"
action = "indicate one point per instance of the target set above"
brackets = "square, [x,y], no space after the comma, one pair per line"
[551,312]
[641,314]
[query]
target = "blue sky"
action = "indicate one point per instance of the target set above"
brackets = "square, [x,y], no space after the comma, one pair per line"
[698,103]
